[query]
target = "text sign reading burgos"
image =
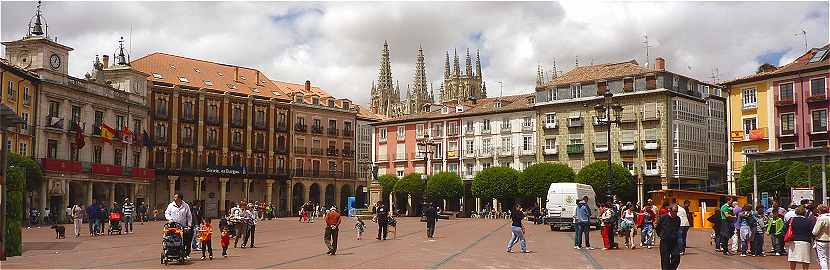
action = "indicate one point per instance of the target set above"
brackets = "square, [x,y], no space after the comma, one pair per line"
[226,170]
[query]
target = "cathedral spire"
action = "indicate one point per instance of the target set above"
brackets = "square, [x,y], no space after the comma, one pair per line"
[447,65]
[469,70]
[385,74]
[431,94]
[420,91]
[456,69]
[539,76]
[478,64]
[483,89]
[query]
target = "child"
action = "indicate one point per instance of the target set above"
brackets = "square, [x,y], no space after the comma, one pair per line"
[225,241]
[205,233]
[359,227]
[776,228]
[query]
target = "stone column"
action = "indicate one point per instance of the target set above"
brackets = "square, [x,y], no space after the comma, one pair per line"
[199,182]
[640,197]
[172,185]
[337,195]
[223,183]
[134,193]
[269,185]
[246,183]
[65,200]
[44,194]
[112,193]
[88,193]
[478,205]
[290,200]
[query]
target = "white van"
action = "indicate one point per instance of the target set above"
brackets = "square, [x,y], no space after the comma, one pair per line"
[561,205]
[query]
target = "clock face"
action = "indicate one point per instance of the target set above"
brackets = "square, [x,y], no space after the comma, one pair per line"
[25,60]
[55,61]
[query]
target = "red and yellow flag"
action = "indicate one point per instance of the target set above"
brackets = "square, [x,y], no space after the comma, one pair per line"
[107,133]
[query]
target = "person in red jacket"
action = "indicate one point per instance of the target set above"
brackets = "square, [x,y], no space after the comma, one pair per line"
[225,240]
[332,228]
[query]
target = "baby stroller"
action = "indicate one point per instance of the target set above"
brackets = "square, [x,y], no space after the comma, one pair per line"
[115,222]
[172,244]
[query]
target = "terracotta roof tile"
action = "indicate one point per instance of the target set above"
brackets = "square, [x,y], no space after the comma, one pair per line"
[600,72]
[9,65]
[292,88]
[482,106]
[179,70]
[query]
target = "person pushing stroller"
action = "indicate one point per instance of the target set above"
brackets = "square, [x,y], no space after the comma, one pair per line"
[179,212]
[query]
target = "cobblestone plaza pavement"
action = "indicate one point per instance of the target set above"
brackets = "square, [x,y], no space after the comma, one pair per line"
[285,243]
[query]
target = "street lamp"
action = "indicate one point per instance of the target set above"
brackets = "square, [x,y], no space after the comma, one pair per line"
[608,109]
[426,144]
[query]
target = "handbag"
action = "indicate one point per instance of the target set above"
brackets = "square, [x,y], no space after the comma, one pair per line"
[788,236]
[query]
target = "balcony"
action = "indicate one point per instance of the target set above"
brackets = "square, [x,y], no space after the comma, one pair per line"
[749,105]
[212,143]
[550,125]
[527,128]
[817,98]
[453,132]
[600,148]
[575,122]
[106,169]
[332,132]
[237,145]
[259,146]
[54,122]
[485,152]
[784,102]
[302,150]
[755,134]
[469,153]
[348,133]
[576,149]
[348,152]
[236,122]
[281,149]
[628,146]
[506,151]
[187,141]
[142,173]
[212,120]
[332,152]
[57,165]
[506,129]
[549,151]
[300,128]
[259,124]
[452,154]
[282,126]
[652,172]
[317,129]
[188,118]
[527,151]
[486,131]
[400,156]
[651,144]
[159,139]
[317,151]
[600,121]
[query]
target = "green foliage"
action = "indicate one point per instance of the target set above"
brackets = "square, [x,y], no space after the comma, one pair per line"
[495,182]
[779,176]
[445,185]
[410,184]
[34,175]
[15,192]
[596,175]
[387,183]
[536,179]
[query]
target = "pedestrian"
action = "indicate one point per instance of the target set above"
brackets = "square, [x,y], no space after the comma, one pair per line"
[822,233]
[627,226]
[714,219]
[142,212]
[128,209]
[332,228]
[431,215]
[359,227]
[606,221]
[92,215]
[745,221]
[238,224]
[684,213]
[249,217]
[205,233]
[77,218]
[668,229]
[381,217]
[726,225]
[225,241]
[647,226]
[736,226]
[582,220]
[517,230]
[798,251]
[760,227]
[179,212]
[775,228]
[197,219]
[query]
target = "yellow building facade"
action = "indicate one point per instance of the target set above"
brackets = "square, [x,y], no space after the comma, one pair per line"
[19,91]
[751,129]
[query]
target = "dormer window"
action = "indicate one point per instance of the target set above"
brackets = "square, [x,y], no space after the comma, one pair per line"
[331,103]
[242,77]
[157,76]
[255,90]
[275,93]
[315,100]
[183,79]
[231,86]
[196,69]
[208,83]
[298,98]
[499,104]
[346,105]
[172,67]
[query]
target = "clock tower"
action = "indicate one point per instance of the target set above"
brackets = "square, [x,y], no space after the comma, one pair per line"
[37,51]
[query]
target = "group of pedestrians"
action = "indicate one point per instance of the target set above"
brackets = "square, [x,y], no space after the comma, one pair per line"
[98,216]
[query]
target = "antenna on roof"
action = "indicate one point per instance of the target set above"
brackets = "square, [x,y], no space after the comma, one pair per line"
[803,35]
[646,46]
[130,50]
[715,75]
[501,89]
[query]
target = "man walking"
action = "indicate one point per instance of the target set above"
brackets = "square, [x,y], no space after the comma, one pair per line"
[685,222]
[583,223]
[382,217]
[178,211]
[726,227]
[431,215]
[92,216]
[668,229]
[250,217]
[77,218]
[128,209]
[332,228]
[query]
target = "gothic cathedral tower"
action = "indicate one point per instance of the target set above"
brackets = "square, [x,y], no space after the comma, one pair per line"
[384,94]
[457,86]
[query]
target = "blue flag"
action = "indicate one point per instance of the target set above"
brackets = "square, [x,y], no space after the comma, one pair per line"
[146,137]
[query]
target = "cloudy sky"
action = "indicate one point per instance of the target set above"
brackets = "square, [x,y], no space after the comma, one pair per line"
[336,45]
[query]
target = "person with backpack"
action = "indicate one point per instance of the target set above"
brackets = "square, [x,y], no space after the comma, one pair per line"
[745,224]
[714,219]
[726,225]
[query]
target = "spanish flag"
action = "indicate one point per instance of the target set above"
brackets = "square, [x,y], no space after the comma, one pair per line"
[107,133]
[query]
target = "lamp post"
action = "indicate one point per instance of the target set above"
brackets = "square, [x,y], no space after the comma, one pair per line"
[427,145]
[608,109]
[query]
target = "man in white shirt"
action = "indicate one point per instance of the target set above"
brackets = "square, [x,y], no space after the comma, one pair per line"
[682,213]
[178,211]
[249,215]
[790,214]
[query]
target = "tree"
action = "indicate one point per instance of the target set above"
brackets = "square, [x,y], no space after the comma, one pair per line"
[410,184]
[495,182]
[445,185]
[15,192]
[800,174]
[34,175]
[387,184]
[536,179]
[772,177]
[596,175]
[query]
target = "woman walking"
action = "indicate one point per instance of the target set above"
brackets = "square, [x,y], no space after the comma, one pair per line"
[798,251]
[745,231]
[607,219]
[822,233]
[518,230]
[627,226]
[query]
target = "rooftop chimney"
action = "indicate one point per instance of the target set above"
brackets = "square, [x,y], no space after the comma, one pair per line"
[106,61]
[660,63]
[308,86]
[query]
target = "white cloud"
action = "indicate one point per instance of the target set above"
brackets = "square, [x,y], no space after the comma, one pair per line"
[337,45]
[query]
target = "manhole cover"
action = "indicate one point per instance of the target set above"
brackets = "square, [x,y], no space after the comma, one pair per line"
[28,246]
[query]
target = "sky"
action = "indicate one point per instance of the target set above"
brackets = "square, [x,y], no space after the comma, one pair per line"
[336,45]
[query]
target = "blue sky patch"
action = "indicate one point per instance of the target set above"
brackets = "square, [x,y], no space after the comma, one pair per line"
[771,57]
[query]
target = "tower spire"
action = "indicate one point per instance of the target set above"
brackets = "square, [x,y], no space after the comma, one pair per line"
[447,65]
[456,69]
[420,84]
[478,64]
[539,76]
[38,28]
[121,57]
[469,70]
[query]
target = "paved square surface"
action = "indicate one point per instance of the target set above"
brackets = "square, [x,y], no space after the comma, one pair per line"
[285,243]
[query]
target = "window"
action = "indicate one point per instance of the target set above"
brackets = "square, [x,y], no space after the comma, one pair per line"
[420,130]
[748,98]
[550,144]
[117,155]
[213,113]
[188,110]
[469,128]
[437,130]
[785,92]
[505,124]
[506,143]
[54,109]
[748,150]
[818,87]
[527,143]
[629,165]
[136,126]
[452,167]
[651,165]
[821,143]
[818,56]
[73,152]
[76,114]
[526,122]
[99,118]
[96,154]
[11,90]
[237,138]
[550,118]
[52,149]
[315,100]
[211,159]
[787,123]
[27,97]
[749,125]
[486,125]
[136,159]
[819,120]
[576,91]
[401,133]
[120,122]
[436,168]
[237,115]
[382,134]
[331,103]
